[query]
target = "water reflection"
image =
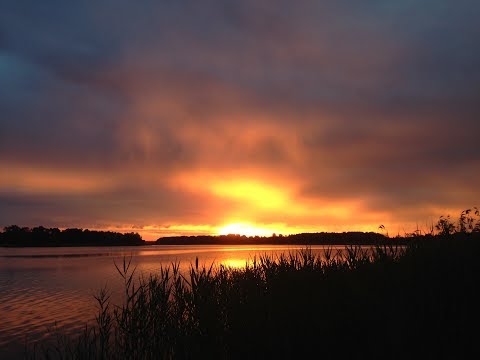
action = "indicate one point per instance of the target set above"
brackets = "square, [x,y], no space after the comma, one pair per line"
[236,263]
[43,286]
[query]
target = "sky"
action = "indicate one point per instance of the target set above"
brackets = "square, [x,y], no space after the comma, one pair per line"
[201,117]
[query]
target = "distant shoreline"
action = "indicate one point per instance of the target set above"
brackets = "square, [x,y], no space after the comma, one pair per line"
[346,238]
[16,237]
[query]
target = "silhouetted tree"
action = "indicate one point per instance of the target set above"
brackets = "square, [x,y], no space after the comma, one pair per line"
[40,236]
[445,226]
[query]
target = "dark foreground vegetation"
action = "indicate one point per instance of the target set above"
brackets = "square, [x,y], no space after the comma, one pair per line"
[418,302]
[415,301]
[15,236]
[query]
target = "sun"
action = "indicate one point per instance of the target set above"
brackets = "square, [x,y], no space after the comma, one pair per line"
[244,229]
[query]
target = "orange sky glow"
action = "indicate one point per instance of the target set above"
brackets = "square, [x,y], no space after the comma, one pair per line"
[243,204]
[274,120]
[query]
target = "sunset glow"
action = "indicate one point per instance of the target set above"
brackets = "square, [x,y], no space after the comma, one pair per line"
[234,166]
[253,193]
[244,229]
[196,129]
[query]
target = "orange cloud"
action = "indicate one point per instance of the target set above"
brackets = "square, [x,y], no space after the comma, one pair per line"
[28,179]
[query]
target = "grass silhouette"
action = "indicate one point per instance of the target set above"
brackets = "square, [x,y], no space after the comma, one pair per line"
[418,300]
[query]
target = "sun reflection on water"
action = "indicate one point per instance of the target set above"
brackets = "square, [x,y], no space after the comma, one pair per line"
[235,263]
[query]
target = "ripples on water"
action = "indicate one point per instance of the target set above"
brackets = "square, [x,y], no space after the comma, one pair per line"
[41,287]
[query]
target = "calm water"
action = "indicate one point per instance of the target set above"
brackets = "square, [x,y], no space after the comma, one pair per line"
[43,286]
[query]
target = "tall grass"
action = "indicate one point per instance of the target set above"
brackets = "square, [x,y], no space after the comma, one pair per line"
[387,301]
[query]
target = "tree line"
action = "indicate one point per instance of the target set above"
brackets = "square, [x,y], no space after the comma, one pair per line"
[323,238]
[41,236]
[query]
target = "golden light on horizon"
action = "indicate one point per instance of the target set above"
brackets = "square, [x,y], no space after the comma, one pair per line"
[253,203]
[235,263]
[253,192]
[244,229]
[252,189]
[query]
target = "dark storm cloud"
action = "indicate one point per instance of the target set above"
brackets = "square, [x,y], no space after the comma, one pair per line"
[375,99]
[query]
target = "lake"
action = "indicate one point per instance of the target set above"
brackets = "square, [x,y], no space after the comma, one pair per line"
[41,287]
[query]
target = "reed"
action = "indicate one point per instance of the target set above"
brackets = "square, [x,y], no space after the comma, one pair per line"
[418,300]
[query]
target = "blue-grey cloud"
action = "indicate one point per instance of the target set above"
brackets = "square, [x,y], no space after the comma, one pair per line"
[375,99]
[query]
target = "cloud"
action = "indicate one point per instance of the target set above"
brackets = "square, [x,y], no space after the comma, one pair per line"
[370,109]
